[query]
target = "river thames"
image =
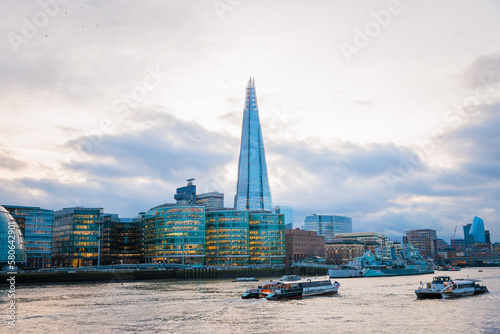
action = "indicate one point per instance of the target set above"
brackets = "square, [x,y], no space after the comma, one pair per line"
[363,305]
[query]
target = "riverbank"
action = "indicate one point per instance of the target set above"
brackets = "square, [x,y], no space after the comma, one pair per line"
[80,276]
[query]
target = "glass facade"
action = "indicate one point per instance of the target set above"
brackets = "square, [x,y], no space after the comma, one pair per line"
[36,227]
[211,201]
[477,231]
[121,240]
[76,237]
[252,190]
[287,211]
[12,246]
[267,238]
[227,242]
[328,225]
[175,234]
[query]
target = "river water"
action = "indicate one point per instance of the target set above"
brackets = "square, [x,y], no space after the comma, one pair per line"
[363,305]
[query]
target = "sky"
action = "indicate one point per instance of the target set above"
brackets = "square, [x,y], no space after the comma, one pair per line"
[385,111]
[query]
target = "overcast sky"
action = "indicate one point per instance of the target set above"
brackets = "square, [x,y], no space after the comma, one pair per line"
[386,111]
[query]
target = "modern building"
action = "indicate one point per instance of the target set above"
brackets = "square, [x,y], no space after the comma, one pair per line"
[211,201]
[267,238]
[328,225]
[343,250]
[36,227]
[425,240]
[487,237]
[287,211]
[75,240]
[175,234]
[301,245]
[477,231]
[187,194]
[12,246]
[252,190]
[121,241]
[227,238]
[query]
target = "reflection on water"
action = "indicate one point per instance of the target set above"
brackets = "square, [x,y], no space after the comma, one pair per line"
[378,305]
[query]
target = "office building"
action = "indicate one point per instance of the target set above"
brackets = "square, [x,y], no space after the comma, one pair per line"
[267,238]
[287,211]
[252,190]
[328,225]
[75,240]
[227,238]
[36,226]
[338,251]
[11,259]
[121,241]
[425,240]
[175,234]
[211,201]
[477,232]
[186,195]
[302,245]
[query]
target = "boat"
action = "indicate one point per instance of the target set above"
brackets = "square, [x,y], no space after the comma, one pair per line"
[432,290]
[306,287]
[449,268]
[444,287]
[245,279]
[263,290]
[370,265]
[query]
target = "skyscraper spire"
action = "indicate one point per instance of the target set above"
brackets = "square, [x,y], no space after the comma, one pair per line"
[252,190]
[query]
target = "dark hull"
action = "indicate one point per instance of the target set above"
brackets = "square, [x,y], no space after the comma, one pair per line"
[428,295]
[297,295]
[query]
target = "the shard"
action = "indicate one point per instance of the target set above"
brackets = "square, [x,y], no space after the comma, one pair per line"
[252,190]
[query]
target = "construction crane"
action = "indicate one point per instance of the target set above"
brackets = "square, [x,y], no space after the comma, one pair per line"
[454,236]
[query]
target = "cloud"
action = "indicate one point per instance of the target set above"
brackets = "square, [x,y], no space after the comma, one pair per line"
[10,163]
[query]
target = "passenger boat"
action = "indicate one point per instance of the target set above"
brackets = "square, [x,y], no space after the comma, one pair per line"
[449,268]
[263,290]
[444,287]
[306,287]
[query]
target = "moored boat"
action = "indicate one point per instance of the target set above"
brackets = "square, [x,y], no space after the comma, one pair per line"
[306,287]
[245,279]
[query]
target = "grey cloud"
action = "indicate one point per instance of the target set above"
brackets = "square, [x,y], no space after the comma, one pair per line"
[8,162]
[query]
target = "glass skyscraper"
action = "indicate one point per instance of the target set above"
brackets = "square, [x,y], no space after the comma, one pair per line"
[252,190]
[477,230]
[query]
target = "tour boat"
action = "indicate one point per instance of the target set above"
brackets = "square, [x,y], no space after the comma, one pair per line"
[444,287]
[305,287]
[263,290]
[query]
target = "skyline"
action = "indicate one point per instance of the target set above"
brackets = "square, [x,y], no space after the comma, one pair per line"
[114,106]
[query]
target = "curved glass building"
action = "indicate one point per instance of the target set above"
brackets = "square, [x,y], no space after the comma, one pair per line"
[175,234]
[227,242]
[12,246]
[477,230]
